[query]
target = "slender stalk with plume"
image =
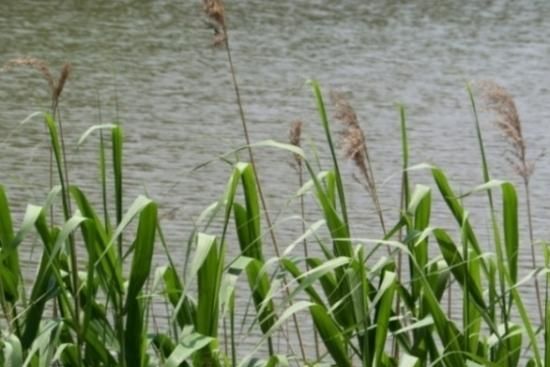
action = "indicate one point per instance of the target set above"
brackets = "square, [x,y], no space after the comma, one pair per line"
[295,138]
[499,101]
[214,10]
[56,88]
[355,148]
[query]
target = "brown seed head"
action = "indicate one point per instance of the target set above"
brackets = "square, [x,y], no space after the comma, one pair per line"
[295,133]
[355,147]
[219,38]
[295,136]
[39,65]
[65,72]
[354,143]
[214,10]
[498,100]
[344,112]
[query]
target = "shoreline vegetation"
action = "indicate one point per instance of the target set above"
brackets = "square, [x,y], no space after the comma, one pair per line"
[357,302]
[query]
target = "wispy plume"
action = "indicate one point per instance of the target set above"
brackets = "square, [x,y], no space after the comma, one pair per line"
[39,65]
[499,101]
[55,86]
[215,12]
[295,137]
[65,73]
[354,145]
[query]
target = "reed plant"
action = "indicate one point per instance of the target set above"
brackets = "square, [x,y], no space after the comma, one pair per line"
[96,269]
[348,287]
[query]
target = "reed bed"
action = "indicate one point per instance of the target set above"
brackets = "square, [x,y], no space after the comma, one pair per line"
[367,308]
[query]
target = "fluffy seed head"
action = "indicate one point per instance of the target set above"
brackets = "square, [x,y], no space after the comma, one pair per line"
[65,72]
[354,143]
[295,133]
[295,136]
[499,101]
[344,112]
[353,137]
[56,87]
[40,65]
[214,10]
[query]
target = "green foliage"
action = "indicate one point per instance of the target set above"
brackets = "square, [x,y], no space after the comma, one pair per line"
[365,306]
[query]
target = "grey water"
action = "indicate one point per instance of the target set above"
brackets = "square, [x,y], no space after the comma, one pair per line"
[151,66]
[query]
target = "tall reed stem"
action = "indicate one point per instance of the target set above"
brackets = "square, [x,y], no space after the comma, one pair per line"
[532,243]
[404,203]
[248,143]
[63,171]
[502,104]
[254,166]
[495,227]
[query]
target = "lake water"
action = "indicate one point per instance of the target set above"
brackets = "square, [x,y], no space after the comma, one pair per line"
[150,64]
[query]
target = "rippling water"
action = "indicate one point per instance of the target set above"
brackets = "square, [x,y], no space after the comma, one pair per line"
[150,65]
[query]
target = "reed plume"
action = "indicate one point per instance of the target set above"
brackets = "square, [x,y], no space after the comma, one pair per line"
[294,137]
[55,89]
[355,148]
[39,65]
[63,76]
[215,12]
[55,86]
[499,101]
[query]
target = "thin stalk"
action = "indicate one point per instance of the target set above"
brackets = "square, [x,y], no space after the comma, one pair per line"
[50,180]
[50,171]
[162,239]
[63,180]
[366,171]
[248,142]
[404,203]
[232,325]
[546,308]
[102,168]
[6,308]
[225,339]
[255,170]
[103,171]
[119,325]
[326,127]
[64,154]
[306,255]
[375,197]
[450,299]
[532,243]
[466,300]
[496,234]
[306,252]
